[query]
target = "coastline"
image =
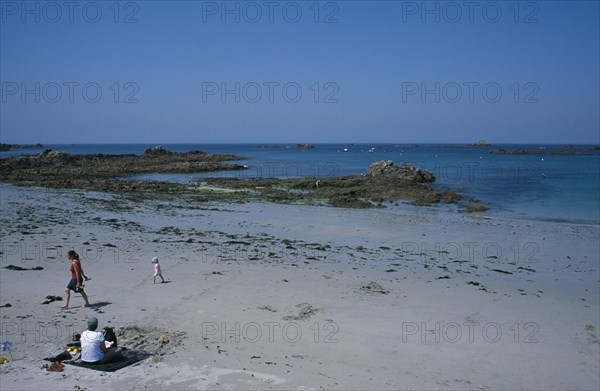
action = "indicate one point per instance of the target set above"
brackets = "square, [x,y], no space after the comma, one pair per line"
[524,186]
[113,173]
[378,296]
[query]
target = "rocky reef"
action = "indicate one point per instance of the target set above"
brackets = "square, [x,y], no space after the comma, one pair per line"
[402,172]
[60,169]
[564,151]
[515,152]
[583,147]
[382,182]
[7,147]
[479,143]
[472,208]
[297,146]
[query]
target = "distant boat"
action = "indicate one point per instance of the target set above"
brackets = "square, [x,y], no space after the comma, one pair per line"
[345,150]
[371,150]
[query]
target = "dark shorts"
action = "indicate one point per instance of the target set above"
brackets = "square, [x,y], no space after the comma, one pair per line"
[73,285]
[92,362]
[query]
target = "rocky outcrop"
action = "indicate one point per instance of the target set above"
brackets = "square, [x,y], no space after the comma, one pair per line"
[568,153]
[384,182]
[583,147]
[7,147]
[50,154]
[403,171]
[55,166]
[560,152]
[297,146]
[479,143]
[515,152]
[156,151]
[473,208]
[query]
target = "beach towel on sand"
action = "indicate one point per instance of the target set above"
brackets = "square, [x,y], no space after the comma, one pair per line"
[129,357]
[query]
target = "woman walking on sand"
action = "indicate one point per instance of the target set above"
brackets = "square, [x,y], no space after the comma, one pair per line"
[76,279]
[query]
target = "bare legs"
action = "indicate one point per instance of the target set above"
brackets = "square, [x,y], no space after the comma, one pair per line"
[111,354]
[85,298]
[68,297]
[159,275]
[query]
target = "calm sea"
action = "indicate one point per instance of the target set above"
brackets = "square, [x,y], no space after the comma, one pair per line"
[548,187]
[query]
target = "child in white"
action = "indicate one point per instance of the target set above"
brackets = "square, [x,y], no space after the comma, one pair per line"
[157,270]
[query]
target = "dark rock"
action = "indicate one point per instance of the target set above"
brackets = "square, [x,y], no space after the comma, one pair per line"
[346,201]
[373,287]
[476,208]
[20,269]
[61,170]
[297,146]
[501,271]
[583,147]
[479,143]
[16,268]
[516,152]
[7,147]
[568,153]
[51,299]
[451,197]
[527,269]
[272,146]
[404,171]
[50,154]
[157,151]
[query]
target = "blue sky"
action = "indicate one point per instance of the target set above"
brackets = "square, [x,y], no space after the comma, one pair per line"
[296,71]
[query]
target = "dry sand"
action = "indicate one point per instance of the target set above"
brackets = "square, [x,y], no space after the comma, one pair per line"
[265,296]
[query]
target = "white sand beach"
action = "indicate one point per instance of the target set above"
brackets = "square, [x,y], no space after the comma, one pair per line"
[301,297]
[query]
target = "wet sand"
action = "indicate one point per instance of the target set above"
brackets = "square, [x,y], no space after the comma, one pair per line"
[267,296]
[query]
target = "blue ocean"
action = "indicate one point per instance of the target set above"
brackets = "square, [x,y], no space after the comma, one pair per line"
[547,187]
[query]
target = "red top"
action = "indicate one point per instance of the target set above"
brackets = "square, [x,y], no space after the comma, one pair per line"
[72,268]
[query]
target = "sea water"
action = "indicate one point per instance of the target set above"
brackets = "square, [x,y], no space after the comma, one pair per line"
[548,187]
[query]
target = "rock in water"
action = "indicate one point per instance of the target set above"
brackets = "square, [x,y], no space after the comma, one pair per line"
[156,151]
[479,143]
[474,208]
[48,153]
[404,171]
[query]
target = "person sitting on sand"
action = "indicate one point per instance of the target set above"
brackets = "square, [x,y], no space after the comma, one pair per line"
[93,346]
[75,284]
[157,270]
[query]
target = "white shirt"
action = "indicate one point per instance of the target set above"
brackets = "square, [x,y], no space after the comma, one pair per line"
[90,346]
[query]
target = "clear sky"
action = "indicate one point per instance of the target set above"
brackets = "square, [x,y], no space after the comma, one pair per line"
[299,71]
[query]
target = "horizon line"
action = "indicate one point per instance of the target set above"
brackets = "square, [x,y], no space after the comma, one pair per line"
[278,143]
